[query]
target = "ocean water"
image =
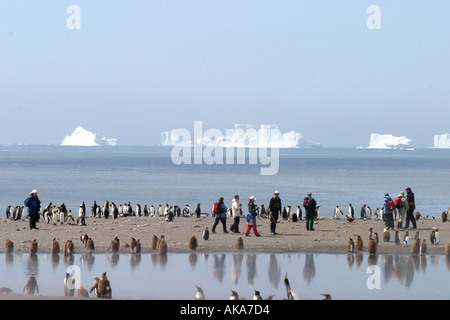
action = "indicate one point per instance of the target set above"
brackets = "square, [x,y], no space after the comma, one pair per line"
[147,175]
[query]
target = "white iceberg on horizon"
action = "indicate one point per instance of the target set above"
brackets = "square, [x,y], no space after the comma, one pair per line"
[442,141]
[245,135]
[83,138]
[388,141]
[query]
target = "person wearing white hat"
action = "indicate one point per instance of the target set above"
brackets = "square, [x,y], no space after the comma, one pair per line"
[274,211]
[34,206]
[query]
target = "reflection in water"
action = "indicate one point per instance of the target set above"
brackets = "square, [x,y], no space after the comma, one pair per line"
[243,272]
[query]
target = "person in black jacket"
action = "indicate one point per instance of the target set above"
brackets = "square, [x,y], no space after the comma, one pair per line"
[412,205]
[198,211]
[274,211]
[34,206]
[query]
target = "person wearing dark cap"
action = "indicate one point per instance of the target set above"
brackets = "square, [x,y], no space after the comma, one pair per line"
[412,205]
[34,206]
[274,211]
[310,204]
[389,207]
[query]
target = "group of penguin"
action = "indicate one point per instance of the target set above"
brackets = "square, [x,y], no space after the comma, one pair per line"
[418,247]
[290,293]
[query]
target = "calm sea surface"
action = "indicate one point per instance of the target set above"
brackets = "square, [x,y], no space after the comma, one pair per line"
[147,175]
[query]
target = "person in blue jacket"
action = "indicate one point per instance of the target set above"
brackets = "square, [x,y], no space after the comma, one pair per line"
[221,216]
[388,211]
[34,206]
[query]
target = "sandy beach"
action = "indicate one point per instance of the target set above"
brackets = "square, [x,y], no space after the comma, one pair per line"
[330,235]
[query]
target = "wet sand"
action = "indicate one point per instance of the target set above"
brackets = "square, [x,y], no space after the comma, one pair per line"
[330,235]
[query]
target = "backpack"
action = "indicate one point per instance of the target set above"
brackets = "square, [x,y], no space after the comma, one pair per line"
[390,205]
[216,207]
[249,219]
[26,201]
[308,204]
[398,203]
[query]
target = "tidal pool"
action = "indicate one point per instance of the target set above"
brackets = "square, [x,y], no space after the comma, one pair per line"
[175,276]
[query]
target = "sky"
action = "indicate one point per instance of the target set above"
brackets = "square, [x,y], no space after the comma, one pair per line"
[136,68]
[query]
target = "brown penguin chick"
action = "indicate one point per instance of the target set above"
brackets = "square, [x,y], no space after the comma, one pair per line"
[416,246]
[133,245]
[159,242]
[9,246]
[104,287]
[372,247]
[239,243]
[447,249]
[154,242]
[31,285]
[83,292]
[115,244]
[69,247]
[417,215]
[33,249]
[444,216]
[95,286]
[90,245]
[386,235]
[423,247]
[55,246]
[162,246]
[193,243]
[350,245]
[138,246]
[359,243]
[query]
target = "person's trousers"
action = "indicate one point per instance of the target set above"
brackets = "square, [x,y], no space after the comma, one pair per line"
[273,222]
[389,220]
[249,227]
[223,221]
[309,221]
[235,226]
[34,217]
[410,216]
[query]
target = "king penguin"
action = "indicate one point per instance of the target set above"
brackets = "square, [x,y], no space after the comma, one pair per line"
[326,295]
[234,295]
[69,247]
[31,285]
[33,247]
[386,235]
[83,292]
[90,245]
[406,239]
[257,295]
[415,249]
[95,287]
[193,243]
[154,242]
[372,247]
[69,285]
[434,237]
[370,234]
[359,243]
[162,247]
[423,248]
[104,287]
[9,246]
[239,243]
[199,294]
[397,238]
[115,244]
[55,246]
[84,238]
[291,295]
[350,245]
[138,246]
[206,234]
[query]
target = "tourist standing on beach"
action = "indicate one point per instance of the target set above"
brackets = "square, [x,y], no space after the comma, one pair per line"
[412,205]
[401,204]
[236,214]
[34,206]
[389,207]
[309,203]
[274,211]
[251,217]
[220,214]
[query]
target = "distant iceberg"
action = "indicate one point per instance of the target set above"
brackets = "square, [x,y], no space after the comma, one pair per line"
[442,141]
[244,135]
[82,137]
[388,141]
